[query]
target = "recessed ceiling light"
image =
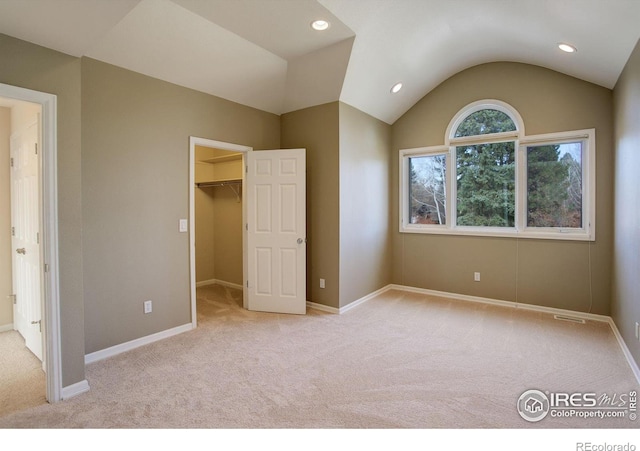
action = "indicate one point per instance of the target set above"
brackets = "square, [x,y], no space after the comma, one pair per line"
[567,48]
[320,25]
[397,87]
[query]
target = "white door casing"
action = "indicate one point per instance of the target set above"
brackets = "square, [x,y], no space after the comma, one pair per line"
[25,221]
[204,142]
[49,238]
[276,231]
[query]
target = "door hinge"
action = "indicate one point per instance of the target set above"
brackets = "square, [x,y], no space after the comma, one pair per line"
[37,237]
[247,284]
[46,267]
[11,161]
[13,297]
[246,169]
[36,148]
[246,226]
[13,231]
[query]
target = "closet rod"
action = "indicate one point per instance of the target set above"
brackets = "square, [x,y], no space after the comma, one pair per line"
[235,186]
[221,183]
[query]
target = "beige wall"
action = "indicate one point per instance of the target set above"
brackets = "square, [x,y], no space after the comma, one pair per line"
[218,235]
[6,286]
[626,268]
[227,217]
[365,257]
[205,245]
[317,130]
[547,273]
[205,248]
[33,67]
[135,144]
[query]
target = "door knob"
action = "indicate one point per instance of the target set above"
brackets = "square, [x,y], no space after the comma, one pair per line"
[22,251]
[302,240]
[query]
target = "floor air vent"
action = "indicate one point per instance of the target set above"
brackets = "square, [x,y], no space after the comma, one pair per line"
[569,318]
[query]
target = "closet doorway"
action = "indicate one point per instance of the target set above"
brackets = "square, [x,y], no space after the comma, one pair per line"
[217,213]
[268,196]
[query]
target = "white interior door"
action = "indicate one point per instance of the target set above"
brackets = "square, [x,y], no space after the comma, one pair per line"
[25,222]
[276,231]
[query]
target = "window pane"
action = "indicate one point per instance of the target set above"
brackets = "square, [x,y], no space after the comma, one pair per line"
[554,185]
[486,185]
[427,189]
[484,122]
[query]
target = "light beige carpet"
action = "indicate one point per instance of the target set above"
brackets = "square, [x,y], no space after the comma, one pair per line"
[401,360]
[22,381]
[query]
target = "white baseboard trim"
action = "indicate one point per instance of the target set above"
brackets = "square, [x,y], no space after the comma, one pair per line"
[228,284]
[625,350]
[364,299]
[75,389]
[346,308]
[123,347]
[518,305]
[6,327]
[224,283]
[322,307]
[204,283]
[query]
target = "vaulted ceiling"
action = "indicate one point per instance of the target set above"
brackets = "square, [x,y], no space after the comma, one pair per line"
[264,54]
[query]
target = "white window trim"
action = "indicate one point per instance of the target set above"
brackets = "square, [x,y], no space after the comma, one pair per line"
[405,225]
[586,233]
[488,104]
[588,230]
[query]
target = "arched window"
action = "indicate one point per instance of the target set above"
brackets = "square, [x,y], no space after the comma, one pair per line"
[490,179]
[483,140]
[485,122]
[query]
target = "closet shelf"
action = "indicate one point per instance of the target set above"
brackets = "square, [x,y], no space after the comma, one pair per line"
[223,158]
[228,182]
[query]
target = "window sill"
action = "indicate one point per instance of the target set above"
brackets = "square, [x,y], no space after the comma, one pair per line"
[548,234]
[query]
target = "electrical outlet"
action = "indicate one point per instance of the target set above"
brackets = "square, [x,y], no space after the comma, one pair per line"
[321,283]
[476,276]
[148,307]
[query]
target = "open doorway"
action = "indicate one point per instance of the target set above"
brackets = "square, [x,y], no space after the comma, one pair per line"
[272,193]
[20,257]
[217,215]
[31,238]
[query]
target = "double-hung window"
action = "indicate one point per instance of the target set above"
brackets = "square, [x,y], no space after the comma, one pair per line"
[489,178]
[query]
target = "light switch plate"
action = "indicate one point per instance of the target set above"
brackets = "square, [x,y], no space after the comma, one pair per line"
[183,225]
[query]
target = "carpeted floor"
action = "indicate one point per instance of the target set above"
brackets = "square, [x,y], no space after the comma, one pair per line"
[401,360]
[22,381]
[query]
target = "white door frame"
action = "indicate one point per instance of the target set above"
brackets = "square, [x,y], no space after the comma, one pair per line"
[50,289]
[204,142]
